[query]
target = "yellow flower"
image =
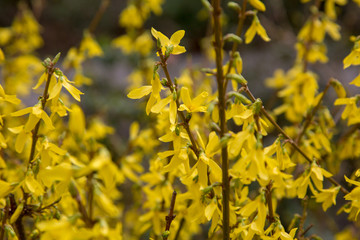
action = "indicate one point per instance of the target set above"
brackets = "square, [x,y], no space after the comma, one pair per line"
[353,58]
[194,105]
[36,113]
[356,81]
[154,89]
[256,28]
[258,5]
[351,111]
[327,197]
[131,17]
[90,47]
[172,43]
[63,81]
[2,57]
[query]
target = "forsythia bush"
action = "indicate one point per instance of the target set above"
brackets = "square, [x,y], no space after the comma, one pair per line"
[211,159]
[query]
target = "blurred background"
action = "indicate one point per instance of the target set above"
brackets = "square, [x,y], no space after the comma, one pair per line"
[63,23]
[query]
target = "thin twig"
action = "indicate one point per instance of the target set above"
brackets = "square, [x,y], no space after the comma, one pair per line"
[307,229]
[242,17]
[99,14]
[5,216]
[169,218]
[303,218]
[50,71]
[19,227]
[268,195]
[180,113]
[76,195]
[222,116]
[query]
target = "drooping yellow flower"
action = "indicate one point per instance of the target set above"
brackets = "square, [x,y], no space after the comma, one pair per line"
[63,81]
[36,113]
[2,57]
[327,197]
[256,28]
[258,5]
[154,89]
[353,58]
[172,43]
[90,47]
[356,81]
[195,105]
[351,111]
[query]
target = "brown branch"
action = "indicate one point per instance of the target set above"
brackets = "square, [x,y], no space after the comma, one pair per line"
[218,44]
[99,14]
[5,216]
[173,88]
[84,215]
[169,218]
[50,68]
[307,229]
[19,227]
[301,231]
[268,196]
[242,16]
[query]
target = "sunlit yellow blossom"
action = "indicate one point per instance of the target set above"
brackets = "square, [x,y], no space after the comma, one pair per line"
[353,58]
[2,57]
[154,89]
[351,111]
[327,197]
[63,81]
[131,17]
[258,5]
[172,43]
[194,105]
[256,28]
[90,47]
[356,81]
[36,113]
[8,98]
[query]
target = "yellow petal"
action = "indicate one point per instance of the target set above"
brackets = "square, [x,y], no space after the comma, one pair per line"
[178,50]
[176,37]
[2,57]
[209,210]
[250,33]
[173,112]
[258,5]
[31,122]
[185,96]
[356,81]
[159,106]
[5,188]
[33,186]
[21,112]
[41,80]
[140,92]
[47,120]
[55,90]
[72,90]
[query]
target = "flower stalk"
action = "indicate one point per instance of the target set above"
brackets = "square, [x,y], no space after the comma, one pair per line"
[222,107]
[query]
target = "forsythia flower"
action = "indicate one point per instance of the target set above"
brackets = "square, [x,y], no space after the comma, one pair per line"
[172,43]
[256,28]
[194,105]
[2,57]
[351,111]
[354,56]
[258,5]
